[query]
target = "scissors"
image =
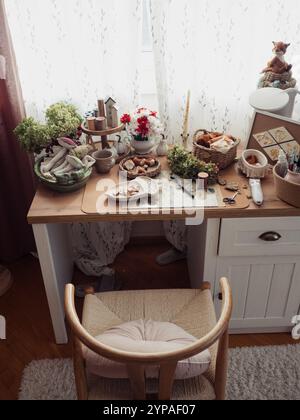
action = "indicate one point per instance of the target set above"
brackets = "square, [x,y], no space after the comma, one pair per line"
[231,200]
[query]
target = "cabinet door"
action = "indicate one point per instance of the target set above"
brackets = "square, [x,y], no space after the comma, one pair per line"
[266,291]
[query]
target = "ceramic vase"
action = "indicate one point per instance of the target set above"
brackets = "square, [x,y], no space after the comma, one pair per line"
[163,148]
[143,147]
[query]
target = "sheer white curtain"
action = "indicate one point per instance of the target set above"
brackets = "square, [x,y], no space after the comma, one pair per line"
[80,51]
[77,50]
[216,48]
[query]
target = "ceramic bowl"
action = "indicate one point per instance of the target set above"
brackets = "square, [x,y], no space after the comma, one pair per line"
[54,186]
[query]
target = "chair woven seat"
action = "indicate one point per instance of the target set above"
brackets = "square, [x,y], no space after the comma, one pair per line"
[192,310]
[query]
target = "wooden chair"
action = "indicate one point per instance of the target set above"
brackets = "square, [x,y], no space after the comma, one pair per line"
[193,310]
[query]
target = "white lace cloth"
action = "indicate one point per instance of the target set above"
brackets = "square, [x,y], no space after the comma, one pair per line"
[96,245]
[176,234]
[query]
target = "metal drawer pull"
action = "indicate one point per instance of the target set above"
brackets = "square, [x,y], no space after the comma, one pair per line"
[270,237]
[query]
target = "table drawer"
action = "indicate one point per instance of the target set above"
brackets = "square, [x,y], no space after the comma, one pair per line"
[260,237]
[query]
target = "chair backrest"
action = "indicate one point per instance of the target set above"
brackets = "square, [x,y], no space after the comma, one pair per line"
[137,362]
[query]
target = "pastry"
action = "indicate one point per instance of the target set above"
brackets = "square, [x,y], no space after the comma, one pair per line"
[129,165]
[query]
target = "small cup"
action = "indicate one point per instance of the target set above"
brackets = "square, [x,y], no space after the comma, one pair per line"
[105,161]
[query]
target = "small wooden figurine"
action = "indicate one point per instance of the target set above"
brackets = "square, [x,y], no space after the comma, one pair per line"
[278,64]
[109,104]
[278,72]
[114,116]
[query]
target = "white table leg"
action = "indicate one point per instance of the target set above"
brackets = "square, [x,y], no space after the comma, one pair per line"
[203,243]
[56,262]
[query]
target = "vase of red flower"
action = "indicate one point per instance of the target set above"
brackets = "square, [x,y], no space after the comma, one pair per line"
[144,129]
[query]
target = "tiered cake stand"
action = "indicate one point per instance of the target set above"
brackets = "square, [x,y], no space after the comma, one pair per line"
[102,134]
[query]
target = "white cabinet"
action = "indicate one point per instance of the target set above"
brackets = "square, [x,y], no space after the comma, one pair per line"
[261,258]
[266,292]
[258,237]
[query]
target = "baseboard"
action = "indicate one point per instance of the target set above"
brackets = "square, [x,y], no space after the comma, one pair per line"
[274,330]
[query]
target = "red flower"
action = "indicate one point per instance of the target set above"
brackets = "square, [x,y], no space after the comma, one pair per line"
[143,126]
[153,114]
[126,119]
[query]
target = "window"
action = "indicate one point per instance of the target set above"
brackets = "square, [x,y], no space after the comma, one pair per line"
[148,80]
[147,37]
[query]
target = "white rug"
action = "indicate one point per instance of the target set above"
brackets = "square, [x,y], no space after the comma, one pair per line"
[257,373]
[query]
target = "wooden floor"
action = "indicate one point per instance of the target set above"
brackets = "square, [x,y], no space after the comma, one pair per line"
[29,331]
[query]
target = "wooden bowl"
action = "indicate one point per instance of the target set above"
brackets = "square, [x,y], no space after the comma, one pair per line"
[152,172]
[287,191]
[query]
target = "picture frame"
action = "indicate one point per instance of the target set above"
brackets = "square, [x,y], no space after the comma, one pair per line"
[270,133]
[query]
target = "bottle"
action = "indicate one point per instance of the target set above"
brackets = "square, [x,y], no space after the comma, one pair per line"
[282,165]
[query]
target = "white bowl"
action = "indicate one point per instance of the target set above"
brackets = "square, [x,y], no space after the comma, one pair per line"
[254,171]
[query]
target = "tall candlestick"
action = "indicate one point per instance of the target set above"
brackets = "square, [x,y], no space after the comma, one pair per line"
[185,132]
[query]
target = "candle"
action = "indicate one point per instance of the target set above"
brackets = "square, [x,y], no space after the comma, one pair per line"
[91,122]
[185,133]
[101,123]
[204,177]
[101,108]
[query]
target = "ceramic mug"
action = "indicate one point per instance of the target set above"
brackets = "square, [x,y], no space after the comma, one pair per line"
[105,161]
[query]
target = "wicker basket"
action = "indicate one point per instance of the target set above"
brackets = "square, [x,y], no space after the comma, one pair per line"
[210,155]
[287,191]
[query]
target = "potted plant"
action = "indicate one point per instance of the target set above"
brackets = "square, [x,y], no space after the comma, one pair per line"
[62,120]
[63,162]
[144,129]
[186,166]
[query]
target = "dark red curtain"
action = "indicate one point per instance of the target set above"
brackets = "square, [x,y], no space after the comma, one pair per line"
[16,187]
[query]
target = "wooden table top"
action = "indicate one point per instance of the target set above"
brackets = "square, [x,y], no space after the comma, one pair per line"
[51,207]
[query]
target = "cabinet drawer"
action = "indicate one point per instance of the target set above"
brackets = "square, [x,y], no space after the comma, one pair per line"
[260,237]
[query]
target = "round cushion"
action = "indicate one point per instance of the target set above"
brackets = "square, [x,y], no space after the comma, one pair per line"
[269,99]
[146,337]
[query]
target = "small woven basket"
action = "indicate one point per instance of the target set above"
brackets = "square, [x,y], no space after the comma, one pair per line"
[151,173]
[209,155]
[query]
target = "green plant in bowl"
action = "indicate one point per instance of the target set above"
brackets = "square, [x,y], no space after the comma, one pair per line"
[187,166]
[62,122]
